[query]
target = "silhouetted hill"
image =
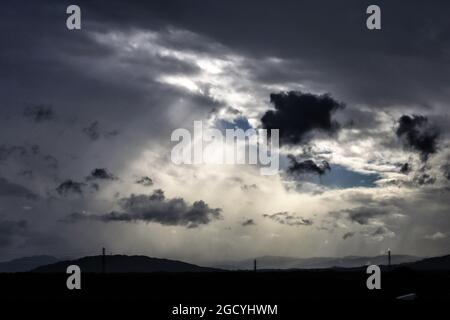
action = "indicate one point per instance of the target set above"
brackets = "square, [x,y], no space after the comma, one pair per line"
[432,264]
[273,262]
[125,264]
[26,263]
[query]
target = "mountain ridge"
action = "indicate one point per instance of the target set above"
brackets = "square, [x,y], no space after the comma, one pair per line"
[25,264]
[124,264]
[284,263]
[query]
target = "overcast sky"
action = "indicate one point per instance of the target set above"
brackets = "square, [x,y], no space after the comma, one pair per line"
[86,118]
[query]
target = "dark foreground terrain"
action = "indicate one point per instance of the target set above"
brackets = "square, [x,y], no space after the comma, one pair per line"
[291,290]
[159,286]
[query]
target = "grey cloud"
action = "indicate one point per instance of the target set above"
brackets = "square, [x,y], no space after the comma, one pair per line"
[289,219]
[95,186]
[348,235]
[70,187]
[405,62]
[19,235]
[145,181]
[10,189]
[9,230]
[380,233]
[297,167]
[39,113]
[26,173]
[363,215]
[7,151]
[233,111]
[101,174]
[446,170]
[156,208]
[248,222]
[93,131]
[51,161]
[35,149]
[424,179]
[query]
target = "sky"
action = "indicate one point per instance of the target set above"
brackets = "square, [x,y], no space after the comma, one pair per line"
[86,118]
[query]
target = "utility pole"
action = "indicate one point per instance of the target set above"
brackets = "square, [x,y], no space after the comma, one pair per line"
[389,258]
[254,265]
[103,260]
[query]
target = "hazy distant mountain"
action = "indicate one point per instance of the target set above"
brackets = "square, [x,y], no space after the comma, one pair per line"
[26,264]
[432,264]
[125,264]
[272,262]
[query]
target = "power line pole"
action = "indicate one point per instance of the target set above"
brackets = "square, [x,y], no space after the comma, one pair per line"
[103,260]
[389,258]
[254,265]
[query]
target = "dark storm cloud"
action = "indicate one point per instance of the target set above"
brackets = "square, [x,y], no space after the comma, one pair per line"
[39,113]
[101,174]
[289,219]
[248,222]
[298,114]
[70,187]
[10,189]
[404,62]
[307,166]
[418,134]
[10,229]
[157,208]
[145,181]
